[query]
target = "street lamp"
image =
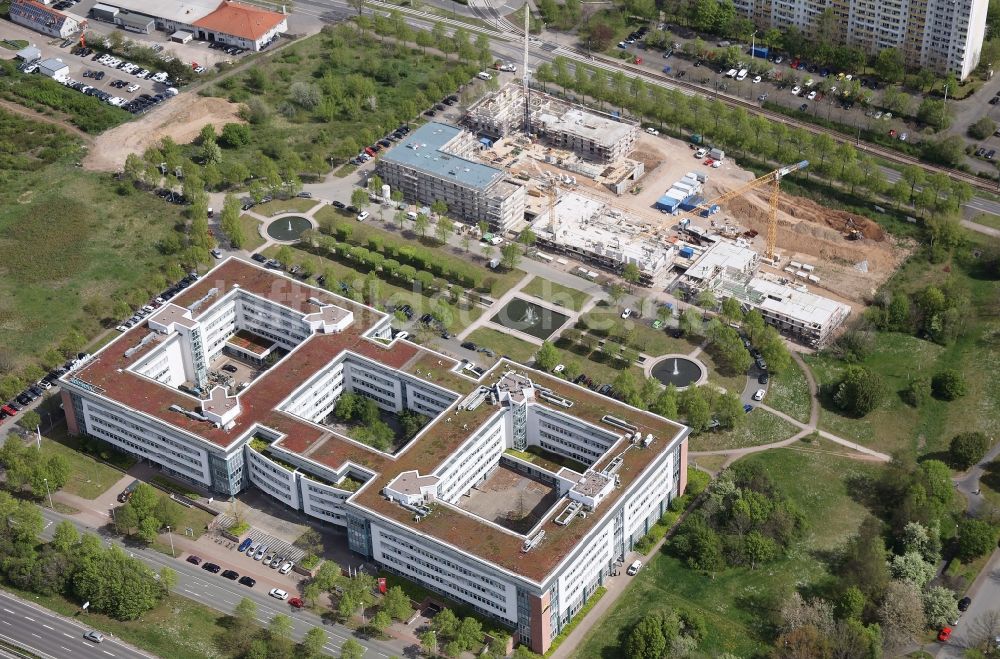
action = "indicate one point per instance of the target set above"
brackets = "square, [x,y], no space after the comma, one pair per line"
[753,44]
[171,536]
[47,491]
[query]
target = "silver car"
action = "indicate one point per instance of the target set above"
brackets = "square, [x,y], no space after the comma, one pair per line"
[260,552]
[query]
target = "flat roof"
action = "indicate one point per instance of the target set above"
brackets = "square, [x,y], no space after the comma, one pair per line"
[176,11]
[587,125]
[423,150]
[107,374]
[723,254]
[797,303]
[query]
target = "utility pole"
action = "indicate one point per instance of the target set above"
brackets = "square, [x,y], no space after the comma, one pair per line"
[171,536]
[49,492]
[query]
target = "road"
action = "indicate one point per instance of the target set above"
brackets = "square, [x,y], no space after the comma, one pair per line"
[223,595]
[49,634]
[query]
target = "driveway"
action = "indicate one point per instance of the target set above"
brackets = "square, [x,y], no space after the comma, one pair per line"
[982,620]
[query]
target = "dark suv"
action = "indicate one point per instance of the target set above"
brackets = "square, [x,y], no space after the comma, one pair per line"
[211,567]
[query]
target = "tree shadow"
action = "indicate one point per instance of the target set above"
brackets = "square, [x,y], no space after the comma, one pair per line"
[991,476]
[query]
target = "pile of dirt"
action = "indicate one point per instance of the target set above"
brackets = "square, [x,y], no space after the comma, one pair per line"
[181,119]
[649,160]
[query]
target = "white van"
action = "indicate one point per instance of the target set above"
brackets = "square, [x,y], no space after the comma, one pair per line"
[483,75]
[632,569]
[731,73]
[411,215]
[742,74]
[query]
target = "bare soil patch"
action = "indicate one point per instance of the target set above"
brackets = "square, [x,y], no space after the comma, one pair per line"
[180,119]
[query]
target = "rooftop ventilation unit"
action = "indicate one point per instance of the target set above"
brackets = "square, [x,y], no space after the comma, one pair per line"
[555,399]
[568,513]
[197,303]
[613,466]
[474,400]
[533,541]
[618,423]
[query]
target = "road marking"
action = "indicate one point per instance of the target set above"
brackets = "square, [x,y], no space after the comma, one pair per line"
[65,648]
[107,653]
[27,618]
[35,635]
[47,627]
[68,635]
[7,623]
[8,610]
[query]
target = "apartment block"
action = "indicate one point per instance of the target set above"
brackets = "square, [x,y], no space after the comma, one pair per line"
[944,36]
[518,496]
[434,163]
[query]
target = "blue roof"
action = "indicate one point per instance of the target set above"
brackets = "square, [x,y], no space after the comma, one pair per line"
[421,150]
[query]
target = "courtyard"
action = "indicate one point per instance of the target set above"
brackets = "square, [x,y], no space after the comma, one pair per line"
[510,499]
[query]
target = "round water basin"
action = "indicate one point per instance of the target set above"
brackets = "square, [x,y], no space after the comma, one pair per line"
[678,371]
[288,229]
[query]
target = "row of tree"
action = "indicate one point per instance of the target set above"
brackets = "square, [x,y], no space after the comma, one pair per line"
[79,567]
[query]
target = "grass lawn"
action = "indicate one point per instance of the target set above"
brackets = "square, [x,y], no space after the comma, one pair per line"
[178,628]
[564,296]
[278,206]
[987,220]
[897,357]
[504,344]
[712,463]
[789,393]
[731,382]
[732,602]
[88,478]
[759,427]
[636,333]
[13,44]
[251,236]
[192,518]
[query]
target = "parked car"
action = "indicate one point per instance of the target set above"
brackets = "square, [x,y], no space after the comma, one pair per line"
[243,545]
[232,575]
[248,581]
[964,603]
[944,634]
[296,602]
[211,567]
[633,568]
[278,593]
[286,568]
[759,394]
[195,560]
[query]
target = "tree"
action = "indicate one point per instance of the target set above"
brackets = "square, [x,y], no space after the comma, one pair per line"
[397,604]
[911,568]
[445,227]
[690,322]
[428,640]
[864,561]
[380,622]
[646,640]
[934,113]
[65,536]
[982,128]
[666,403]
[729,410]
[940,607]
[698,544]
[235,135]
[116,584]
[168,579]
[547,357]
[967,449]
[510,256]
[351,649]
[421,224]
[446,623]
[360,198]
[975,538]
[731,310]
[313,642]
[697,411]
[30,420]
[948,384]
[707,299]
[527,238]
[631,274]
[901,615]
[889,65]
[860,390]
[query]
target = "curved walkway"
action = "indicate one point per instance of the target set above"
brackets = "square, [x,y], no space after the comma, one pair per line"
[805,429]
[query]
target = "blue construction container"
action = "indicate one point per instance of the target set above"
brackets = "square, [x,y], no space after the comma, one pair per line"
[759,51]
[667,203]
[686,252]
[692,202]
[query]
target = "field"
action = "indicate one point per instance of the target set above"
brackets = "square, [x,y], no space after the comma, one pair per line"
[557,294]
[278,206]
[732,602]
[635,332]
[504,344]
[760,427]
[74,244]
[788,392]
[332,93]
[897,357]
[731,382]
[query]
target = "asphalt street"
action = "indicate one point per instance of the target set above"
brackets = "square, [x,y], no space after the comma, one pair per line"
[223,595]
[48,634]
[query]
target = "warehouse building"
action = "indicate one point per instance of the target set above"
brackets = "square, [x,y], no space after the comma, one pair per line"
[42,19]
[53,68]
[440,508]
[434,163]
[232,23]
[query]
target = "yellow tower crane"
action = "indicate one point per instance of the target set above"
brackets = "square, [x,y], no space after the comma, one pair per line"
[774,180]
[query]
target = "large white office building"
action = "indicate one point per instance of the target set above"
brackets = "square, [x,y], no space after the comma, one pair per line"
[435,508]
[945,36]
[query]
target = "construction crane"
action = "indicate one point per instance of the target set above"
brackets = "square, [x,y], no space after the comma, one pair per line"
[774,180]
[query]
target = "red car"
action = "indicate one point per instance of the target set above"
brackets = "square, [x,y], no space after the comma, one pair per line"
[9,410]
[944,634]
[296,602]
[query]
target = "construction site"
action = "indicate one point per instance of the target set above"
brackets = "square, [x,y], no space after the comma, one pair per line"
[605,193]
